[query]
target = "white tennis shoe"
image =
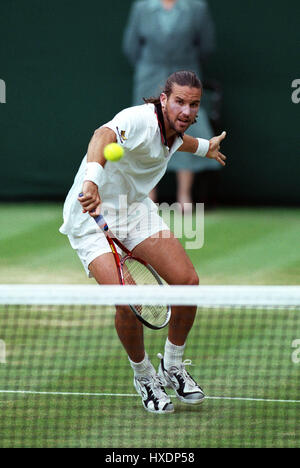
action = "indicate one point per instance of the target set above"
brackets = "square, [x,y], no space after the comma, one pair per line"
[153,394]
[177,378]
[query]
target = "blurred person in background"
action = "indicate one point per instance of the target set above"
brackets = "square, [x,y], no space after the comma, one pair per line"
[162,36]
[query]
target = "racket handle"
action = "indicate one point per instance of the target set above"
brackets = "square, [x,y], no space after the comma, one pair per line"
[99,220]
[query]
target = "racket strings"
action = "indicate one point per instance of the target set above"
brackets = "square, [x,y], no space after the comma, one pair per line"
[135,273]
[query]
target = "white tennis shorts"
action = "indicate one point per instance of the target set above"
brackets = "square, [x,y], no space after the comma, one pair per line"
[131,231]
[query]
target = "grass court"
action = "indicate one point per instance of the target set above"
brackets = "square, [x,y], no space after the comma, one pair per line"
[67,383]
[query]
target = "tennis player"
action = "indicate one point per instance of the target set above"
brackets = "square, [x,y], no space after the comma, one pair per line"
[150,134]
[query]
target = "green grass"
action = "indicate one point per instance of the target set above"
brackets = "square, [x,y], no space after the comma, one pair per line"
[241,354]
[237,354]
[250,246]
[242,246]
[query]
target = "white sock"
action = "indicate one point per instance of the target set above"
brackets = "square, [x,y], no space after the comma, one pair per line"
[173,354]
[143,368]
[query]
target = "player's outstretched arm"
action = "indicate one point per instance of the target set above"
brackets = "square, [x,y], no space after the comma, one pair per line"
[212,147]
[90,199]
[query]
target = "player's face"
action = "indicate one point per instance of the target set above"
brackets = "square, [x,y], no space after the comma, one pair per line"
[180,109]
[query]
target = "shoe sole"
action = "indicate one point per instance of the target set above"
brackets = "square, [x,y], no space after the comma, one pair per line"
[159,411]
[191,402]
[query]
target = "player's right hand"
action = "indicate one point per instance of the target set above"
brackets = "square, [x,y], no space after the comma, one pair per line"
[89,199]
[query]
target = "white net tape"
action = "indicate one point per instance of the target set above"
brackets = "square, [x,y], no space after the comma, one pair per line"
[206,296]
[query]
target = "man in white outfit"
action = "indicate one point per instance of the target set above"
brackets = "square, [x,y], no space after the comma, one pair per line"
[149,134]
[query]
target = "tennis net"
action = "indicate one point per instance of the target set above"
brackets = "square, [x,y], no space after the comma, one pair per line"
[65,379]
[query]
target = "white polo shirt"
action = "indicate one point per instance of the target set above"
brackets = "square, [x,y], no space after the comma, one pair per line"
[140,131]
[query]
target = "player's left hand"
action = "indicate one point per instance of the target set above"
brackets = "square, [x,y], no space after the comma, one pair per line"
[214,149]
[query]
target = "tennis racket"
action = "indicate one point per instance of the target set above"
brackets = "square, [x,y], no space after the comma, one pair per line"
[135,271]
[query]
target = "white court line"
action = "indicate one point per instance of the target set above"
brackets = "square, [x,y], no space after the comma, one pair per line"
[31,392]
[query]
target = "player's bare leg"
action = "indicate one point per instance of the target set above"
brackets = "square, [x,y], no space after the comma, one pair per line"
[130,332]
[129,328]
[184,189]
[153,195]
[169,259]
[167,256]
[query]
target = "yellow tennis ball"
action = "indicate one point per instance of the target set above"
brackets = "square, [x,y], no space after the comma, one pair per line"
[113,152]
